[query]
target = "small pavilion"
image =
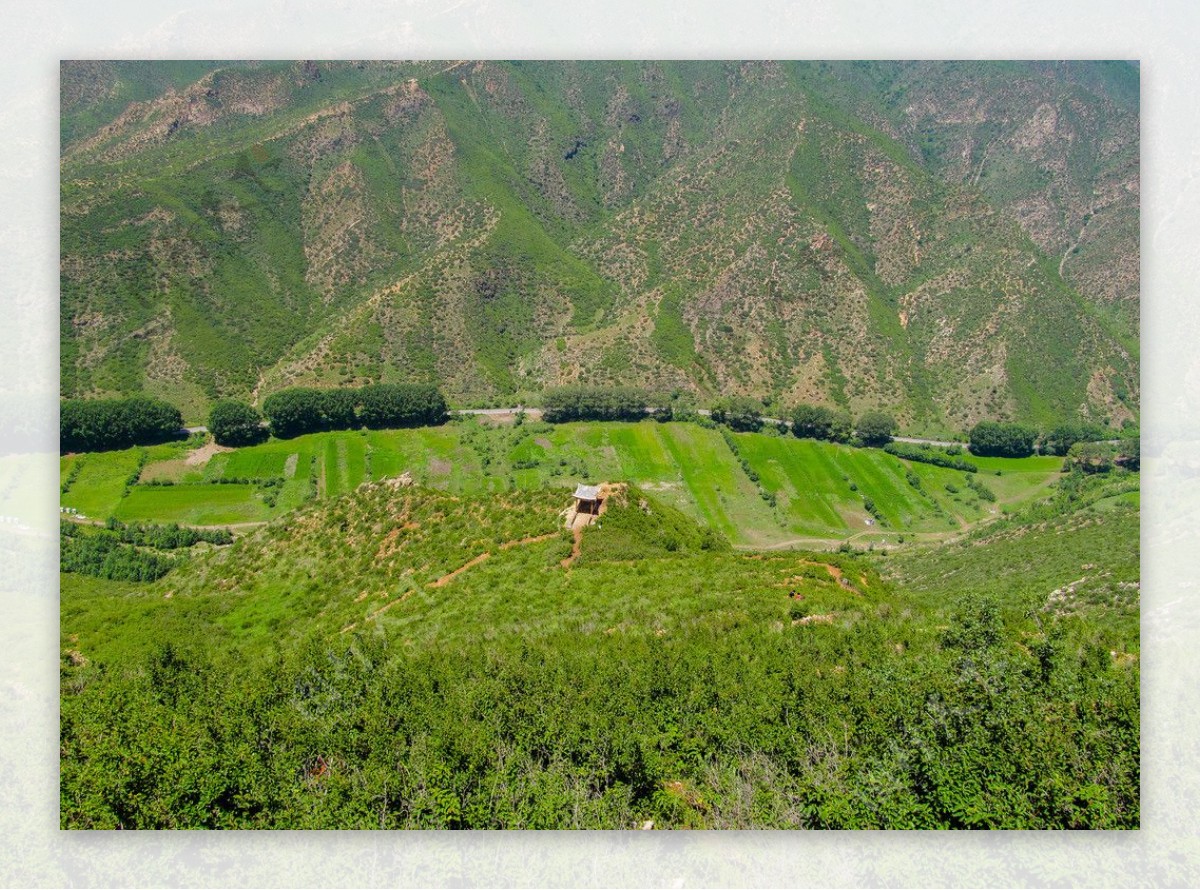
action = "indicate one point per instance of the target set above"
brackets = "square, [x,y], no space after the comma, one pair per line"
[587,499]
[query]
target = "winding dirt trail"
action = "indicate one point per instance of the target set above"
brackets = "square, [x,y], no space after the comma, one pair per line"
[577,532]
[446,579]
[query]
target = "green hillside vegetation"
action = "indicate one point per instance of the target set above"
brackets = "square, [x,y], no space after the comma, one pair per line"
[801,231]
[405,657]
[373,612]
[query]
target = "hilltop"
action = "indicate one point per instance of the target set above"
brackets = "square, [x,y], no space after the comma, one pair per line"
[951,241]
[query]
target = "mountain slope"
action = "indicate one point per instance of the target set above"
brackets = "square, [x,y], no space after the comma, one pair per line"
[951,241]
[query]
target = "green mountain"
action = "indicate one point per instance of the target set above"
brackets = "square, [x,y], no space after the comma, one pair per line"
[950,241]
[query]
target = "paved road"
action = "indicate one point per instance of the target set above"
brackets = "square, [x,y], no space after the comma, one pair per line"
[930,442]
[493,412]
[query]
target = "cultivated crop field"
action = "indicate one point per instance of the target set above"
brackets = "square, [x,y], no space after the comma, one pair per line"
[192,505]
[807,493]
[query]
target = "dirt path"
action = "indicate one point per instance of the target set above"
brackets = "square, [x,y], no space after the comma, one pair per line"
[575,547]
[507,545]
[446,579]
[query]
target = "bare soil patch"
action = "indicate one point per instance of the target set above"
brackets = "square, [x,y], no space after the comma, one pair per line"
[202,455]
[814,619]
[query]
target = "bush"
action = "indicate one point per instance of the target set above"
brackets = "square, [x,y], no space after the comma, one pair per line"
[235,423]
[569,403]
[99,424]
[385,405]
[976,485]
[1129,454]
[741,413]
[165,537]
[819,422]
[876,428]
[992,439]
[928,455]
[1091,457]
[105,557]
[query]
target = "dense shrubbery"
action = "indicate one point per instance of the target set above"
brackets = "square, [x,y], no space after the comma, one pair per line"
[658,679]
[166,537]
[976,485]
[570,403]
[235,423]
[1129,454]
[101,424]
[292,412]
[1101,457]
[1059,440]
[741,413]
[928,454]
[391,405]
[103,556]
[876,428]
[992,439]
[600,731]
[819,422]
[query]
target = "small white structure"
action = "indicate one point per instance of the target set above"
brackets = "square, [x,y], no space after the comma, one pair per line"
[587,499]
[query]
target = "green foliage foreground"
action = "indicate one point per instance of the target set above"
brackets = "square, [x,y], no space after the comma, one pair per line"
[734,726]
[679,683]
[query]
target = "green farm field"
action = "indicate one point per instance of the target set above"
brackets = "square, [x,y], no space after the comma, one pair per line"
[820,490]
[193,505]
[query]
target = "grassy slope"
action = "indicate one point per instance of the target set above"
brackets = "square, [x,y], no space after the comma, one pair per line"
[679,686]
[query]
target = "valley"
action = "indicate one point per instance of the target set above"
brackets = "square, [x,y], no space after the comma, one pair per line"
[841,358]
[688,466]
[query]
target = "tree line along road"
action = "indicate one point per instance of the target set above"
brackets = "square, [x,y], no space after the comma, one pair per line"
[493,412]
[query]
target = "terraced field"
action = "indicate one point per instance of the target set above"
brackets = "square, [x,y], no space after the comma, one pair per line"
[807,493]
[193,504]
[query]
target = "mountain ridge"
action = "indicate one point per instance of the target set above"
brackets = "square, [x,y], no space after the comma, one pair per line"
[793,231]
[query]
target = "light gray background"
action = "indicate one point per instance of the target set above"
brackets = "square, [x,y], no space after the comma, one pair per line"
[35,36]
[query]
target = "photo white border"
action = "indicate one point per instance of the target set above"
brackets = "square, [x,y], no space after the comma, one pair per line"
[36,36]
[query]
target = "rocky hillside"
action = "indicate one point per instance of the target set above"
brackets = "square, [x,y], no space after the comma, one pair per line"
[949,240]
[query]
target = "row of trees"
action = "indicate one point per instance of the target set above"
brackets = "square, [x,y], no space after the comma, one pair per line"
[292,412]
[100,424]
[569,403]
[992,439]
[874,428]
